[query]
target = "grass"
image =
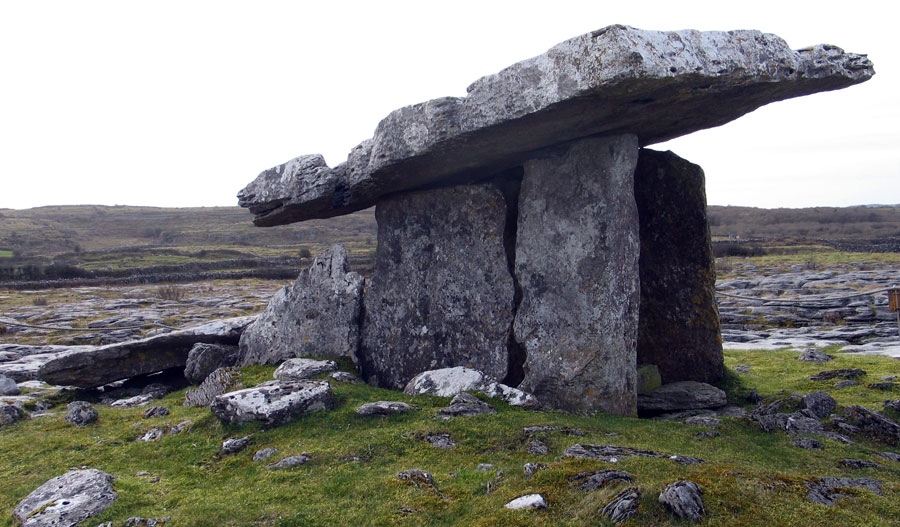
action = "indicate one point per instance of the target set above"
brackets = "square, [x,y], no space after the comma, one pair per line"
[5,253]
[749,478]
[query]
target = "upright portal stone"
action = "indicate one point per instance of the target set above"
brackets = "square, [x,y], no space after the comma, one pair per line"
[679,322]
[441,294]
[318,316]
[577,263]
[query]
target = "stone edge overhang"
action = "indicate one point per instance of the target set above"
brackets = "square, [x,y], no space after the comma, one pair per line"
[655,84]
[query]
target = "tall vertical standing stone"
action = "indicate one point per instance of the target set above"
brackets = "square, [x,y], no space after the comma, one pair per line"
[441,294]
[577,264]
[679,323]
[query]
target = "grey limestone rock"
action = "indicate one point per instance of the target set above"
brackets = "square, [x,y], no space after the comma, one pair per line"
[96,366]
[447,382]
[859,464]
[892,405]
[81,413]
[684,395]
[849,383]
[67,500]
[818,404]
[317,316]
[843,373]
[537,448]
[156,411]
[465,404]
[623,506]
[599,479]
[131,402]
[8,386]
[608,453]
[824,491]
[220,381]
[234,445]
[678,328]
[290,461]
[154,434]
[441,294]
[273,402]
[343,376]
[530,501]
[204,359]
[417,476]
[384,408]
[707,421]
[576,259]
[682,498]
[181,427]
[137,521]
[532,430]
[530,468]
[814,355]
[299,369]
[874,424]
[657,85]
[808,443]
[444,441]
[265,453]
[10,413]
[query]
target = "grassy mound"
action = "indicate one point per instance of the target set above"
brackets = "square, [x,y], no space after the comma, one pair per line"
[748,477]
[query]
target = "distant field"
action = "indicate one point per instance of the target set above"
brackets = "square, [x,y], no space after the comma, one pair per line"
[5,254]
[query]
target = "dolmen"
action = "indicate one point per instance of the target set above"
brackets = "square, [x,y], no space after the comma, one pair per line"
[525,230]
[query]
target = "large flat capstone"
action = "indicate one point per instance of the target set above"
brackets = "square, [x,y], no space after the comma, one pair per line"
[679,322]
[656,85]
[317,316]
[441,294]
[577,264]
[88,367]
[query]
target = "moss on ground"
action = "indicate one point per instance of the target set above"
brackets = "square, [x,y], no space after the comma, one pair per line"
[749,477]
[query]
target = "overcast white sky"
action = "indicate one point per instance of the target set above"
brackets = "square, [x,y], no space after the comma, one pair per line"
[182,103]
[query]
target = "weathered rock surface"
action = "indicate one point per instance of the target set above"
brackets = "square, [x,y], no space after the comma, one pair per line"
[233,445]
[384,408]
[577,263]
[608,453]
[599,479]
[814,355]
[530,501]
[684,395]
[204,359]
[81,413]
[678,328]
[273,402]
[317,316]
[465,404]
[623,506]
[656,85]
[441,294]
[10,413]
[155,412]
[843,373]
[67,500]
[88,368]
[300,369]
[8,386]
[290,461]
[824,491]
[218,382]
[818,404]
[447,382]
[444,441]
[417,476]
[265,453]
[682,498]
[874,424]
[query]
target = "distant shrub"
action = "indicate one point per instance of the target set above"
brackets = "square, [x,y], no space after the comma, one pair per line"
[40,301]
[171,292]
[305,253]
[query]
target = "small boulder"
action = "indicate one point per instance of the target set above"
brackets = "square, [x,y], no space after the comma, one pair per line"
[301,369]
[384,408]
[343,376]
[442,441]
[234,445]
[883,386]
[814,355]
[808,444]
[273,402]
[682,498]
[265,453]
[623,506]
[10,413]
[843,373]
[893,456]
[704,420]
[81,413]
[529,501]
[598,480]
[859,463]
[447,382]
[67,500]
[874,424]
[156,411]
[8,386]
[418,477]
[530,468]
[204,359]
[290,461]
[131,402]
[818,404]
[824,490]
[537,448]
[683,395]
[465,404]
[180,427]
[840,385]
[892,405]
[154,434]
[220,381]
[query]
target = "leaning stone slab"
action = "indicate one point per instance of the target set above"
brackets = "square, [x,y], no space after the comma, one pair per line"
[657,85]
[682,498]
[67,500]
[220,381]
[623,506]
[441,294]
[204,359]
[684,395]
[317,316]
[447,382]
[105,364]
[577,262]
[679,322]
[874,424]
[273,402]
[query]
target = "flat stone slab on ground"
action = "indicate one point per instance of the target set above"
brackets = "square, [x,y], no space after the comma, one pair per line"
[67,500]
[273,402]
[684,395]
